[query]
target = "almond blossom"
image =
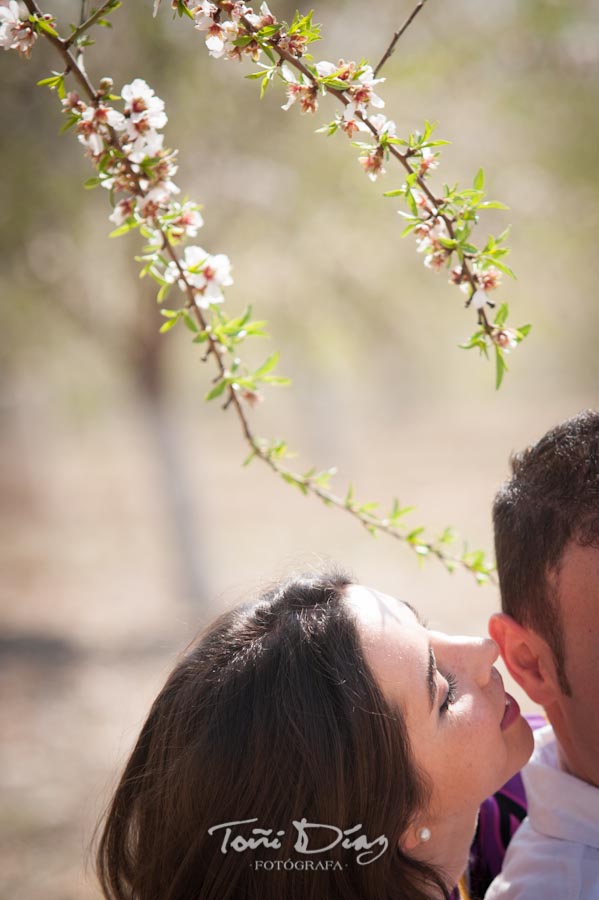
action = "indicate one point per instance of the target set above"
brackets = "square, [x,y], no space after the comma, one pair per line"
[188,219]
[221,35]
[479,299]
[300,88]
[359,81]
[94,125]
[506,339]
[142,105]
[123,211]
[350,122]
[489,278]
[206,274]
[265,17]
[362,92]
[428,161]
[15,34]
[383,125]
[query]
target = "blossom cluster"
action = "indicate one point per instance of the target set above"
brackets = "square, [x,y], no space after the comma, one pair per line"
[16,31]
[442,226]
[229,38]
[233,30]
[127,149]
[430,225]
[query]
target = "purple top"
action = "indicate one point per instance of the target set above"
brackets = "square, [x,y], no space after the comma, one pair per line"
[499,818]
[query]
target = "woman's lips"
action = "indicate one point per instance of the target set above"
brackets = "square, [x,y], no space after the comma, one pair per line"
[512,711]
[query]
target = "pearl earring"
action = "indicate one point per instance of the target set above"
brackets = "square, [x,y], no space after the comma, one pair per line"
[424,834]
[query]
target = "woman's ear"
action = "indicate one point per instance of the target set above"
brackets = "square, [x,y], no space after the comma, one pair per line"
[527,656]
[412,837]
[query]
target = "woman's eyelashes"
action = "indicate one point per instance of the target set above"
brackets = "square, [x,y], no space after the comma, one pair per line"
[451,695]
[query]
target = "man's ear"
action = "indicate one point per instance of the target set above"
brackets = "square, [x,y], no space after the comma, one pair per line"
[527,656]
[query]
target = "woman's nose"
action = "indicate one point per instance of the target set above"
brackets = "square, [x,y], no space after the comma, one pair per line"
[486,654]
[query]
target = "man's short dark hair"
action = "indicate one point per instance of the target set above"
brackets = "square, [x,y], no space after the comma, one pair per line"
[551,499]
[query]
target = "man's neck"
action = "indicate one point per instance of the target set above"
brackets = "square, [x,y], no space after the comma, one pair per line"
[574,756]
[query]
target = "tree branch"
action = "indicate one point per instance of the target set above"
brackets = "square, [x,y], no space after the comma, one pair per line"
[91,20]
[391,48]
[306,483]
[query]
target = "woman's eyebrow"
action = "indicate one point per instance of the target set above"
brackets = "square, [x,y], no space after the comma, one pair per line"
[413,610]
[415,613]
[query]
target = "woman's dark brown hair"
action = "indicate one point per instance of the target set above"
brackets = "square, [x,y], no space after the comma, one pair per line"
[272,714]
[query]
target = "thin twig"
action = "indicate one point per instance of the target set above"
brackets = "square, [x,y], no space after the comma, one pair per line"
[91,20]
[391,48]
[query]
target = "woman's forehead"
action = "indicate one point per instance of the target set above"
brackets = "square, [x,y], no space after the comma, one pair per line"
[375,604]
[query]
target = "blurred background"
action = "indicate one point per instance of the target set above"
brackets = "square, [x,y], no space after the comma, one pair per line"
[127,520]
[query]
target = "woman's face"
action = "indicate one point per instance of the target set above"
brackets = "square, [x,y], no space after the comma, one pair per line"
[462,733]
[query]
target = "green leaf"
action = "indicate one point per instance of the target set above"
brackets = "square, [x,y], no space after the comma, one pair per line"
[500,367]
[51,82]
[448,243]
[492,204]
[276,379]
[398,511]
[183,9]
[129,225]
[268,365]
[170,323]
[448,536]
[162,293]
[217,390]
[479,181]
[503,268]
[502,314]
[189,322]
[44,26]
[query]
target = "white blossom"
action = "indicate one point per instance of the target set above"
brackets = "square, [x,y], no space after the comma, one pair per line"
[384,125]
[205,273]
[122,211]
[326,69]
[189,219]
[479,299]
[362,92]
[203,15]
[143,106]
[506,339]
[15,34]
[144,144]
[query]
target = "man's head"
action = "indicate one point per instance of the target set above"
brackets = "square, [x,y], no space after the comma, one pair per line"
[546,520]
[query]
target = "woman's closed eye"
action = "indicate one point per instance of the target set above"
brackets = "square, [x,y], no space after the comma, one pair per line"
[450,697]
